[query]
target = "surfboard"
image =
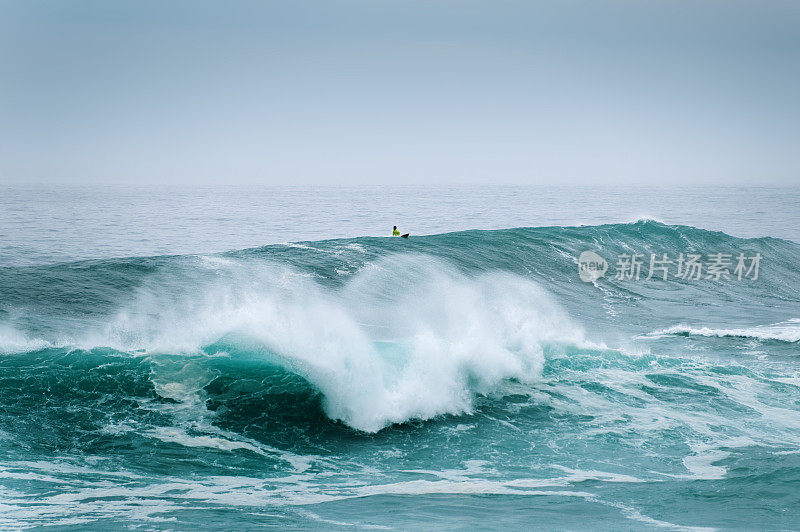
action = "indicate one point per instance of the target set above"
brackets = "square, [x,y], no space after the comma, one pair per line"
[405,235]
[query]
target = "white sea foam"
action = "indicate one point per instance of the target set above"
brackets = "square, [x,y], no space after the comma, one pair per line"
[787,331]
[148,498]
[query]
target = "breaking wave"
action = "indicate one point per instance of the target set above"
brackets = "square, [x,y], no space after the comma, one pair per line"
[408,337]
[788,331]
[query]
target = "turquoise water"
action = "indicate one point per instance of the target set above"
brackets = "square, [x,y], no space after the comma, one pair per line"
[467,379]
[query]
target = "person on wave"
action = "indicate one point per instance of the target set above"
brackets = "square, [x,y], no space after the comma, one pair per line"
[396,232]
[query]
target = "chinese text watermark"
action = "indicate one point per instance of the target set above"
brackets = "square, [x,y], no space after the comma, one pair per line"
[662,266]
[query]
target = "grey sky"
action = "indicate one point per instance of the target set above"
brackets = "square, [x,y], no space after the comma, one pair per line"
[387,91]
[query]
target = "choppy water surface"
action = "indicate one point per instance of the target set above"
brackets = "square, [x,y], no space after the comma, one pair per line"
[440,381]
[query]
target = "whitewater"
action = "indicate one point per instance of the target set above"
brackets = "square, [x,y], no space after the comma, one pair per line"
[379,383]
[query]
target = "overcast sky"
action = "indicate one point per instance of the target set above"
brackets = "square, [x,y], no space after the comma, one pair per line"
[636,91]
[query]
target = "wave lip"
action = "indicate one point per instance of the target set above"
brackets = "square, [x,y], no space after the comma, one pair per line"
[787,331]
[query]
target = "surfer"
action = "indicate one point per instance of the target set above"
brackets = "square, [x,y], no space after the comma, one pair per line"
[395,232]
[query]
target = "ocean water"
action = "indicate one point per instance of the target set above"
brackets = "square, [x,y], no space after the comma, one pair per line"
[229,357]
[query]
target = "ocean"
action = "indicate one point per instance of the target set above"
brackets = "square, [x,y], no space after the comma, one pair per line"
[243,357]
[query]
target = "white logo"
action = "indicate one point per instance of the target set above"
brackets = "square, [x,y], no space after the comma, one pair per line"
[591,266]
